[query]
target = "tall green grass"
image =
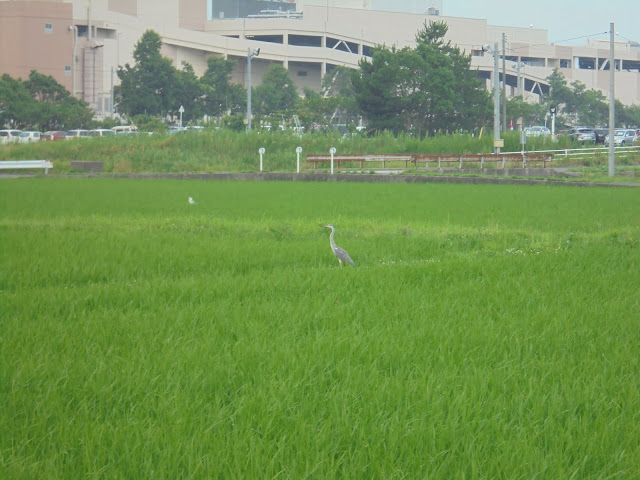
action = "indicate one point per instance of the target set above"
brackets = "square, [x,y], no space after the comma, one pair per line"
[485,332]
[225,150]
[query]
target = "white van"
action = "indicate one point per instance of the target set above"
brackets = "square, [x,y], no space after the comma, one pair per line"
[9,136]
[78,133]
[29,136]
[102,132]
[125,129]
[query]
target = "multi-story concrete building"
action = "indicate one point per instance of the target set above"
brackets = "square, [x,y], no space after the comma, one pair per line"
[81,43]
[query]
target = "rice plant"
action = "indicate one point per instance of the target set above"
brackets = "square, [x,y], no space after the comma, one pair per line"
[485,331]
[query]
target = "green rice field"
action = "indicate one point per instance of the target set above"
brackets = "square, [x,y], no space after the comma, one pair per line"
[485,332]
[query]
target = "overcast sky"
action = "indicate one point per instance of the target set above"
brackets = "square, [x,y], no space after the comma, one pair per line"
[563,19]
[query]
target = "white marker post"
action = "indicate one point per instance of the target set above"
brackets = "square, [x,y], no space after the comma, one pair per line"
[332,151]
[181,110]
[261,152]
[298,152]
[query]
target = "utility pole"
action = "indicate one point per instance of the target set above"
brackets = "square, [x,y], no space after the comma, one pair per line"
[496,97]
[504,83]
[497,141]
[612,102]
[250,54]
[496,101]
[74,29]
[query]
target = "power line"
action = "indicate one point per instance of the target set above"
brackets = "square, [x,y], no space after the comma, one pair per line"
[627,39]
[560,41]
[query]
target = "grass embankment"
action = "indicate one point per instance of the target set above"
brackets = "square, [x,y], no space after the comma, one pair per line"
[485,332]
[224,150]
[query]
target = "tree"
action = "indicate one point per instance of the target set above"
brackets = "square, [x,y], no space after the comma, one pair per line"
[377,83]
[220,95]
[335,104]
[40,102]
[628,116]
[148,123]
[315,110]
[531,113]
[559,92]
[577,105]
[591,107]
[277,94]
[151,85]
[55,107]
[190,93]
[426,90]
[16,103]
[339,92]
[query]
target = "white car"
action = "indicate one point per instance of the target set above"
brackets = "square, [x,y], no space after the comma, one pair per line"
[537,131]
[29,136]
[102,132]
[78,133]
[125,130]
[9,136]
[623,136]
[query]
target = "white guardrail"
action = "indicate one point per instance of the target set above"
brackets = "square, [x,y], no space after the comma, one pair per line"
[575,152]
[15,164]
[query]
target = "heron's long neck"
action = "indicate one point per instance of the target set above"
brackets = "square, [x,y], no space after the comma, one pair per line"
[331,241]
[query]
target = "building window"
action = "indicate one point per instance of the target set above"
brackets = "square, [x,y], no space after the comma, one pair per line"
[564,63]
[302,73]
[48,28]
[67,70]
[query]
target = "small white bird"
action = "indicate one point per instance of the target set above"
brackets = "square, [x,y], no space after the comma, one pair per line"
[191,201]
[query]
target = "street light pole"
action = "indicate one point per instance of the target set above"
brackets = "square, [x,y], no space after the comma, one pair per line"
[95,48]
[250,54]
[612,102]
[496,101]
[496,97]
[504,83]
[74,29]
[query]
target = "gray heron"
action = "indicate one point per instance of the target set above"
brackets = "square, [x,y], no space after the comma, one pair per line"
[340,253]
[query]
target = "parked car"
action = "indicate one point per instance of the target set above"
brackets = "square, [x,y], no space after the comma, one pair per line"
[623,136]
[29,136]
[55,135]
[581,134]
[78,133]
[537,131]
[9,136]
[125,129]
[102,132]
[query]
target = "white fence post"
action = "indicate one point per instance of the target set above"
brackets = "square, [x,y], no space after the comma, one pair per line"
[332,151]
[298,152]
[261,152]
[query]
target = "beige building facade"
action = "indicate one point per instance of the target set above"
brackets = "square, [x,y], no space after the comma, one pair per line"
[81,43]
